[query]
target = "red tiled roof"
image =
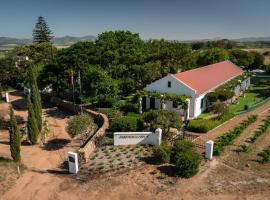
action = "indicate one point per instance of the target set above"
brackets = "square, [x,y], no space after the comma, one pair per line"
[206,78]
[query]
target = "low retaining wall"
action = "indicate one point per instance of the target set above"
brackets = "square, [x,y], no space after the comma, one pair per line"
[102,121]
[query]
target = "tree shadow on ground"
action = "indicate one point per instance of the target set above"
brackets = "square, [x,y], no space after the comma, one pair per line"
[56,144]
[168,170]
[4,159]
[19,104]
[57,113]
[151,160]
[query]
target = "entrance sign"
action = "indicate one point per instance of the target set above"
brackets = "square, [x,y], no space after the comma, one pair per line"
[73,163]
[127,138]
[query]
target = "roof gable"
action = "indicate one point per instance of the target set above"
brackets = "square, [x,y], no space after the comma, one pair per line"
[203,79]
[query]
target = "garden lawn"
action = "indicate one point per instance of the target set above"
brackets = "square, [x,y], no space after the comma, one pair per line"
[254,95]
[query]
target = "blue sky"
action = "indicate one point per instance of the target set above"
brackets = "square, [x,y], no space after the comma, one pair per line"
[169,19]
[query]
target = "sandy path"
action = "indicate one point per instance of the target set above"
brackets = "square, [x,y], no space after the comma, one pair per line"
[32,184]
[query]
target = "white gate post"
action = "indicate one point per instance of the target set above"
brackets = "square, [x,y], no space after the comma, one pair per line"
[209,146]
[7,97]
[187,111]
[73,163]
[158,131]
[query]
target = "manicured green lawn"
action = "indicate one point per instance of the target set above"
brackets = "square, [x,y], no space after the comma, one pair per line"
[254,95]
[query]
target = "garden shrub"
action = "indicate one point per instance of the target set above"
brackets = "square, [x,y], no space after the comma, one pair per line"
[220,108]
[126,123]
[104,101]
[130,107]
[111,113]
[205,125]
[181,146]
[227,138]
[80,124]
[164,119]
[261,130]
[187,163]
[162,153]
[265,155]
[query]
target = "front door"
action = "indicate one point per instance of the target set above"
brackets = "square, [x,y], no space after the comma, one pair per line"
[152,103]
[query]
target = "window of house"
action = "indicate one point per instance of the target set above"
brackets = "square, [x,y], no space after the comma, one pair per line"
[169,84]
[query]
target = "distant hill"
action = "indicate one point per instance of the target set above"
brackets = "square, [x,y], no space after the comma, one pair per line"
[253,39]
[63,41]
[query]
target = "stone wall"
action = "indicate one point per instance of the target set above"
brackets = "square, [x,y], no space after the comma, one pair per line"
[102,121]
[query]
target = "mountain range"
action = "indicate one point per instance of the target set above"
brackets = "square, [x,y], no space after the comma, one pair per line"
[61,41]
[10,42]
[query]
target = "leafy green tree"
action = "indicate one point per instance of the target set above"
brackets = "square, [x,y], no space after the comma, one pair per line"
[258,59]
[241,57]
[35,99]
[14,137]
[97,81]
[164,119]
[42,32]
[212,56]
[32,127]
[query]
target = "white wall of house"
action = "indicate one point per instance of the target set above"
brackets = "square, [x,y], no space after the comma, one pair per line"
[177,87]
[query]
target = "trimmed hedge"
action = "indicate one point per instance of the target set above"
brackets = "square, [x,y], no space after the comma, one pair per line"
[127,123]
[261,130]
[228,137]
[205,125]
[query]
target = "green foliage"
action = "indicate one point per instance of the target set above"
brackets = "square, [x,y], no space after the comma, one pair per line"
[130,107]
[127,123]
[103,101]
[263,128]
[79,125]
[35,99]
[212,56]
[97,81]
[179,100]
[14,137]
[220,108]
[245,148]
[265,155]
[32,127]
[241,57]
[187,164]
[162,153]
[228,138]
[181,146]
[46,131]
[164,119]
[205,125]
[42,32]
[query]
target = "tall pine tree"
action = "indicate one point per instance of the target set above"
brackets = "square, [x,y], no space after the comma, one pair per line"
[14,137]
[32,128]
[35,98]
[42,32]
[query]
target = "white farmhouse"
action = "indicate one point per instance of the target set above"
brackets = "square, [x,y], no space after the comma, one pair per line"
[195,84]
